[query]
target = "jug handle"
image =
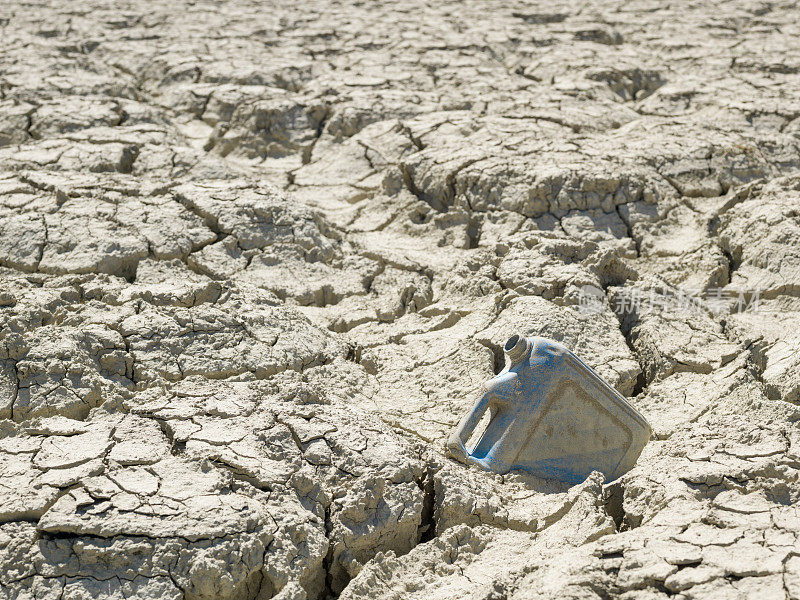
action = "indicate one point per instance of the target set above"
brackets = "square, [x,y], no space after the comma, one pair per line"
[456,445]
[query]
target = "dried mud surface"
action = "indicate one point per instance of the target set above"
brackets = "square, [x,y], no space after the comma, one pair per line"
[256,260]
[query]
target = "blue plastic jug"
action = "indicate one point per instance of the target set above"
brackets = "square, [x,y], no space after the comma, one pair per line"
[552,415]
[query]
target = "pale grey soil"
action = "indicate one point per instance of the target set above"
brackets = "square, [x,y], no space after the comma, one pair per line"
[256,260]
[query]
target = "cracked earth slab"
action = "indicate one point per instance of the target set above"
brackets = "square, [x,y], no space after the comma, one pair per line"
[256,264]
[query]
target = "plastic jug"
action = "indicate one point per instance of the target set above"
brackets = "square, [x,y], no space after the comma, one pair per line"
[552,415]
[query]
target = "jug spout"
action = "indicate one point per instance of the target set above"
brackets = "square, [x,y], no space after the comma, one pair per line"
[516,349]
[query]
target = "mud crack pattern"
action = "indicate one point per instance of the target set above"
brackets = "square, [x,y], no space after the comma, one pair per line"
[256,259]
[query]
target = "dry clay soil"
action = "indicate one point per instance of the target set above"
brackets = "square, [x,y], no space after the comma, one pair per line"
[257,259]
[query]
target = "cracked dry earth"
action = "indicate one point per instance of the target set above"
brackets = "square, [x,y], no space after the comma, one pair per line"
[256,260]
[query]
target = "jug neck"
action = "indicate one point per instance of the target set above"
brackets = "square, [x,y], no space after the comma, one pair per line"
[517,349]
